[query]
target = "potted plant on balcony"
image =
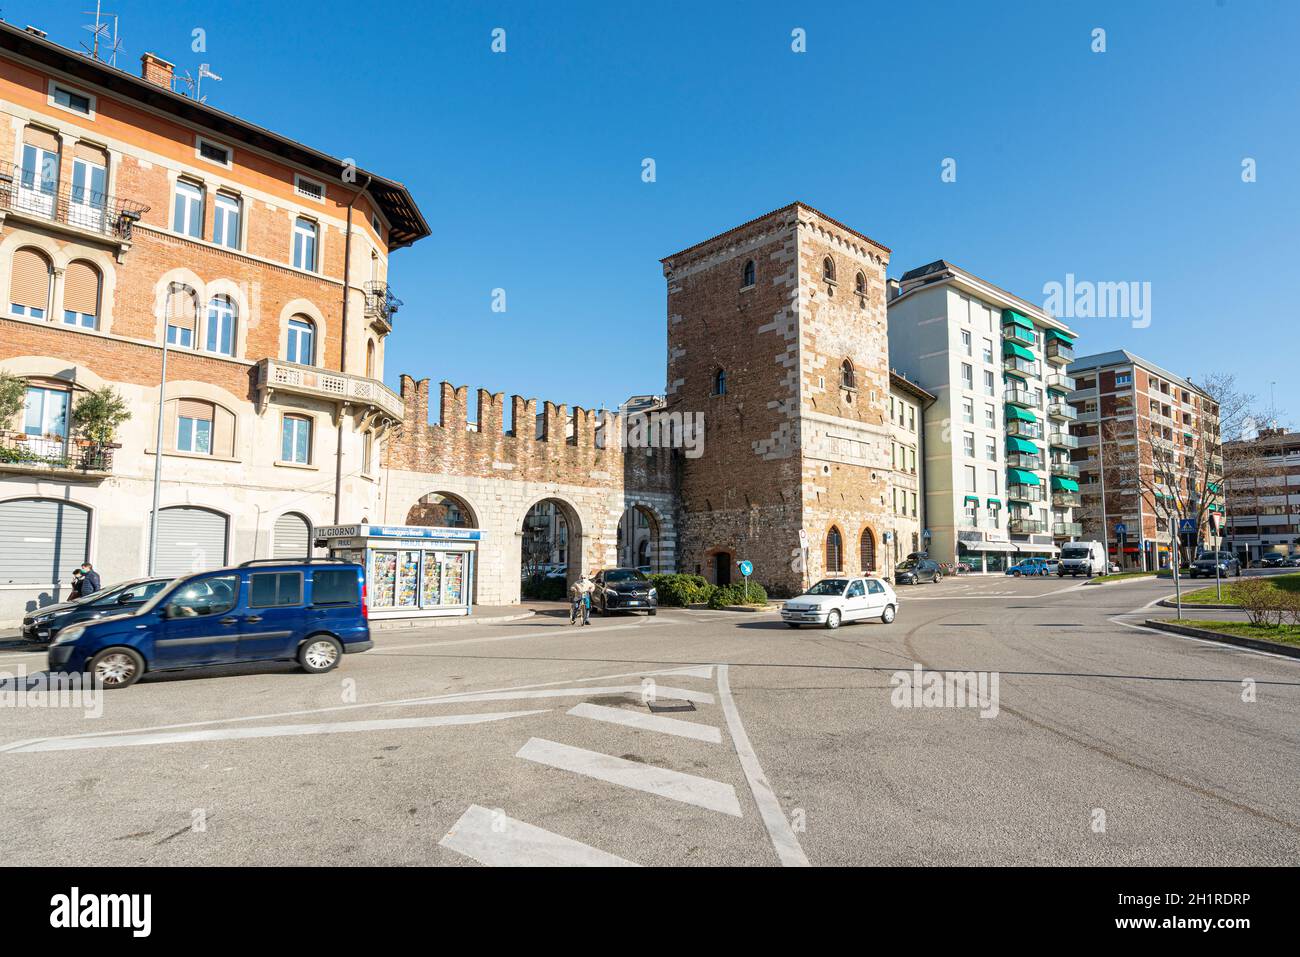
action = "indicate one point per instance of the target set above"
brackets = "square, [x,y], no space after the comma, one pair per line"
[13,399]
[97,415]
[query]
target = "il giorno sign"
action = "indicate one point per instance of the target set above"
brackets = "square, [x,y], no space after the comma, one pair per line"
[400,531]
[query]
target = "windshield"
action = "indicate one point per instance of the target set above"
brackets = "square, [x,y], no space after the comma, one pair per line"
[829,586]
[158,596]
[624,575]
[907,565]
[1074,552]
[1209,556]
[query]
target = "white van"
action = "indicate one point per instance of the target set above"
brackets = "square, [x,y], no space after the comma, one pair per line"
[1086,558]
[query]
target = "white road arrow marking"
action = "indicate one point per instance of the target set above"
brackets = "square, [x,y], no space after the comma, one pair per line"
[496,840]
[648,722]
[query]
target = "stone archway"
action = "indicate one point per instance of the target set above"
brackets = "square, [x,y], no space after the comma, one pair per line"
[551,541]
[641,541]
[442,510]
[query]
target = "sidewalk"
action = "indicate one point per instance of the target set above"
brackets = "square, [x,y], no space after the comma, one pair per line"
[480,615]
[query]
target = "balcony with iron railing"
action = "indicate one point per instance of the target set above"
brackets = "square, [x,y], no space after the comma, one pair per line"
[381,305]
[1023,366]
[275,375]
[1024,430]
[52,454]
[1067,529]
[1061,381]
[1065,499]
[1025,398]
[1025,493]
[1025,526]
[1058,351]
[1062,410]
[1063,440]
[1065,469]
[1019,334]
[24,194]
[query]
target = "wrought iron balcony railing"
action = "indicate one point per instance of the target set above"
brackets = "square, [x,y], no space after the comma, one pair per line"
[24,193]
[30,453]
[380,302]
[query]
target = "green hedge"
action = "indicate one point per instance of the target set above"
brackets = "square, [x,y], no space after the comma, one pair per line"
[736,595]
[545,589]
[678,591]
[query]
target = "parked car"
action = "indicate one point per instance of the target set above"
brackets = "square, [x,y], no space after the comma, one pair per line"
[623,589]
[835,600]
[1272,560]
[1082,558]
[311,612]
[1206,563]
[46,624]
[1293,561]
[913,571]
[1030,566]
[1112,568]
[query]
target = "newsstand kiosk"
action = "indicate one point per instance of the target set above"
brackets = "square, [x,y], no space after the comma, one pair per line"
[412,571]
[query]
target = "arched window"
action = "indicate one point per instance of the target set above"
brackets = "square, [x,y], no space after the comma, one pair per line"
[200,427]
[860,284]
[304,244]
[300,344]
[834,551]
[182,315]
[828,269]
[292,537]
[848,379]
[81,288]
[370,359]
[29,284]
[720,382]
[747,278]
[222,317]
[868,549]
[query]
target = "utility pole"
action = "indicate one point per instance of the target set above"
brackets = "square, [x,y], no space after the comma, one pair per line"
[1101,469]
[158,453]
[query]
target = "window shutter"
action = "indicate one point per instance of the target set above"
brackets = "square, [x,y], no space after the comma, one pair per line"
[223,433]
[42,139]
[81,288]
[30,285]
[181,308]
[195,409]
[91,154]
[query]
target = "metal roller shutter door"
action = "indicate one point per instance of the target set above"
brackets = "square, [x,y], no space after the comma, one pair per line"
[292,537]
[190,540]
[43,540]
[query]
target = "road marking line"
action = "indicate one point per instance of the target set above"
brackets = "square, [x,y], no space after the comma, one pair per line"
[648,722]
[769,808]
[267,731]
[675,785]
[700,697]
[694,671]
[1220,645]
[495,840]
[533,633]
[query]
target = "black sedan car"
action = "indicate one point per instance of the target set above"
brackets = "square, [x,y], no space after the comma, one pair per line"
[623,589]
[917,570]
[1206,561]
[44,624]
[1272,560]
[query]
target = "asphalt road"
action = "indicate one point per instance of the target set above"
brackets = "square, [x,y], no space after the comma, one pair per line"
[689,738]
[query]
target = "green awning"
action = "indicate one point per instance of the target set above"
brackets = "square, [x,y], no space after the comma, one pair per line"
[995,501]
[973,498]
[1053,334]
[1010,315]
[1017,444]
[1024,415]
[1010,348]
[1064,484]
[1021,477]
[1016,374]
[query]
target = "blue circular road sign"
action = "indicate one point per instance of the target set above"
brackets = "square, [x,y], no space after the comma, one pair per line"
[746,569]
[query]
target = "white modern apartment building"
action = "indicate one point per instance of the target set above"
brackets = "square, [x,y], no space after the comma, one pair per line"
[907,404]
[999,483]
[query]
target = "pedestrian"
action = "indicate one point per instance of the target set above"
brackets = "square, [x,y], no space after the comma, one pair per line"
[580,598]
[89,579]
[78,579]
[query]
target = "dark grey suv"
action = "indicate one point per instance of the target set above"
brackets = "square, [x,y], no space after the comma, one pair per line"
[1206,563]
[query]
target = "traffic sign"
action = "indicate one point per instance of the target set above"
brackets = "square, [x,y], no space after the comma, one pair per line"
[1120,528]
[746,568]
[1187,524]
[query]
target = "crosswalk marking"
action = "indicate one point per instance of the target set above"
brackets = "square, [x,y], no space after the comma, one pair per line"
[496,840]
[675,785]
[648,722]
[670,694]
[267,731]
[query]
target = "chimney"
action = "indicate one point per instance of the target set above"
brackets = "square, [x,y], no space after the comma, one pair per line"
[36,32]
[892,289]
[156,70]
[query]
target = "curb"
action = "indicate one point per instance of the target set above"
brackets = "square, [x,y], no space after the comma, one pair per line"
[1255,644]
[752,609]
[1120,581]
[1170,603]
[396,624]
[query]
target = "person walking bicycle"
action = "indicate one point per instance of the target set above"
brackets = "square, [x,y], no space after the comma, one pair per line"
[580,600]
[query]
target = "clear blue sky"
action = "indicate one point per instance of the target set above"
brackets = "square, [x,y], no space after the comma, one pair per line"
[1118,166]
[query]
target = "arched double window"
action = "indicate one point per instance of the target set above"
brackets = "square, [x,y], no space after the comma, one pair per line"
[29,283]
[223,316]
[834,551]
[747,277]
[828,269]
[182,315]
[868,550]
[720,382]
[848,378]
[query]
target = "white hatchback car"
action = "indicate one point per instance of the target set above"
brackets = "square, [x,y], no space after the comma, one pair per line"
[833,601]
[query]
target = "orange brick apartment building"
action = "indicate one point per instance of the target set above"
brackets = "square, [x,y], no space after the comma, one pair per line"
[130,215]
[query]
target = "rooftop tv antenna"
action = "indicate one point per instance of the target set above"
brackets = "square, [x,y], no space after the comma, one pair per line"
[102,36]
[195,83]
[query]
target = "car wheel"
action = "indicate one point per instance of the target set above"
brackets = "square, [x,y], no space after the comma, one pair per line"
[937,578]
[1238,575]
[833,619]
[887,615]
[792,624]
[116,667]
[1015,574]
[653,612]
[320,654]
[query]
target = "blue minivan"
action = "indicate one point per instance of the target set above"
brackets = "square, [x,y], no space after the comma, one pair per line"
[266,610]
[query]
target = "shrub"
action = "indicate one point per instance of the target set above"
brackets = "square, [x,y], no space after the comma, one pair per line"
[678,591]
[98,414]
[736,595]
[544,589]
[1262,603]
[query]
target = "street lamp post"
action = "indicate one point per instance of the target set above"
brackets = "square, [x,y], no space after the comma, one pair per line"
[157,458]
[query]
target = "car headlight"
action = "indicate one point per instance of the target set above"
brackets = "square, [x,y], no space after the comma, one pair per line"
[41,619]
[654,593]
[69,635]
